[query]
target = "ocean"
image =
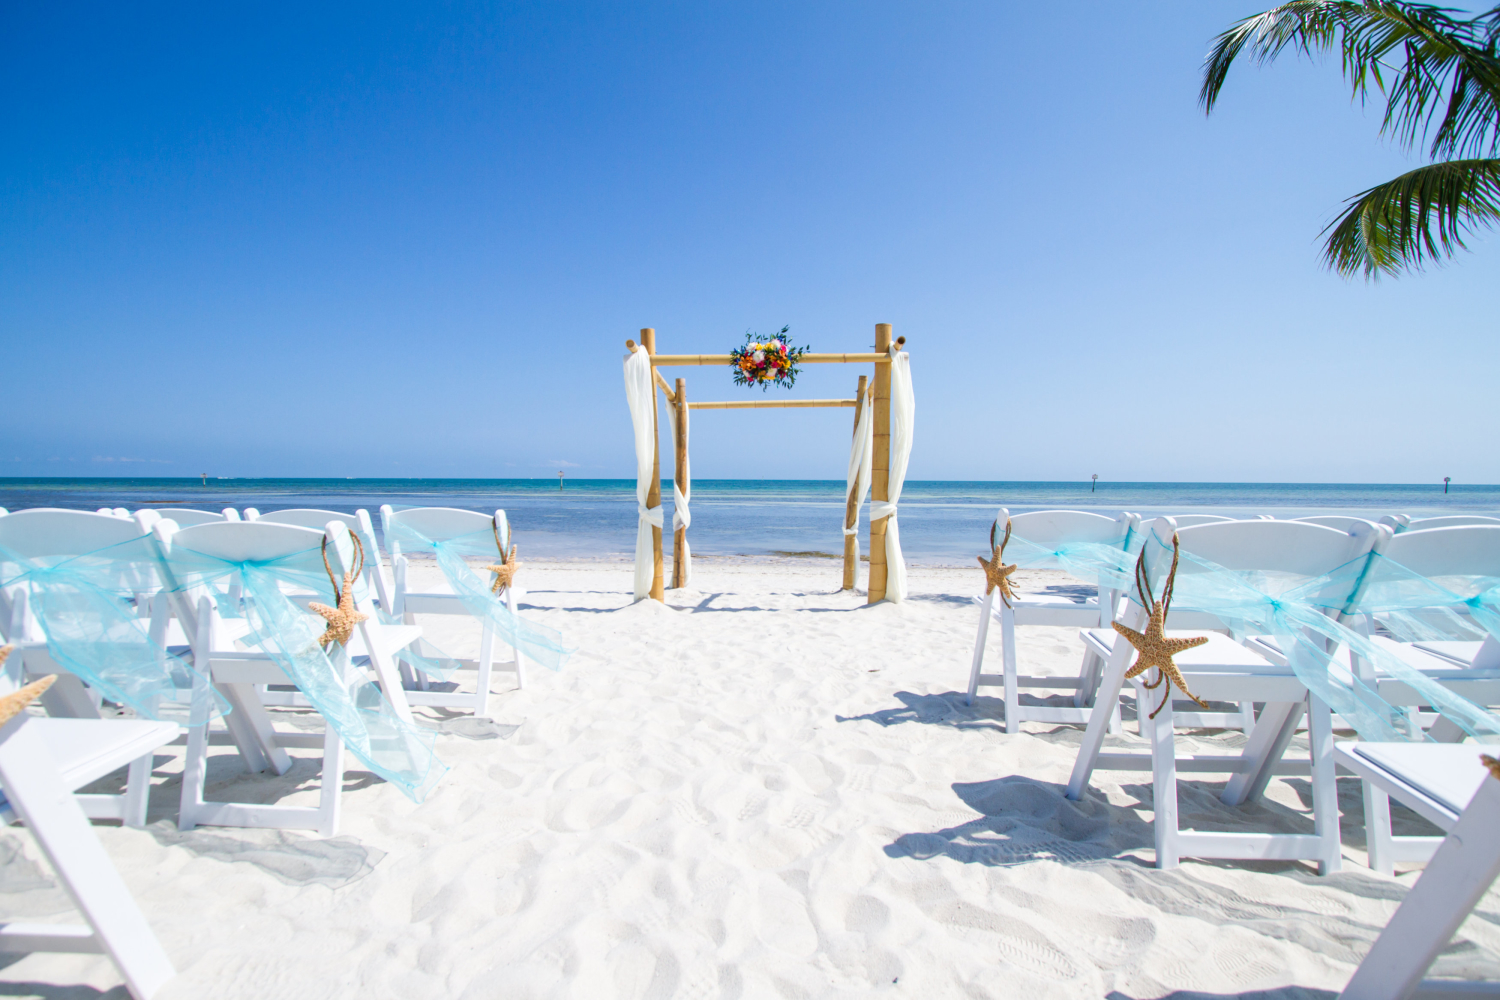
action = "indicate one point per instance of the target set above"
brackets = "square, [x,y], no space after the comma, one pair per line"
[941,522]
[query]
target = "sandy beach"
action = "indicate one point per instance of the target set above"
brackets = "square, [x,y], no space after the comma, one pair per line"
[763,789]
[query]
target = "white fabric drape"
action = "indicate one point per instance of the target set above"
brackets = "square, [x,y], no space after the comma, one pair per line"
[681,516]
[903,415]
[861,452]
[640,396]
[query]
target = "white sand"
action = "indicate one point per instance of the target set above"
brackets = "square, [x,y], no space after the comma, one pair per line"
[771,791]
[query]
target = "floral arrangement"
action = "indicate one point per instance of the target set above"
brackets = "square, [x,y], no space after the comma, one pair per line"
[761,362]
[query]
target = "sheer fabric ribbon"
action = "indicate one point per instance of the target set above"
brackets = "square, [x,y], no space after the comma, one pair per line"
[390,746]
[1303,615]
[903,418]
[81,603]
[640,396]
[857,482]
[538,643]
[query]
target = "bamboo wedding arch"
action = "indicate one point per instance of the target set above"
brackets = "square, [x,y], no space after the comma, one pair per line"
[873,393]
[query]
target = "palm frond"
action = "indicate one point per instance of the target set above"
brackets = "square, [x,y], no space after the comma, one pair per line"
[1438,73]
[1418,217]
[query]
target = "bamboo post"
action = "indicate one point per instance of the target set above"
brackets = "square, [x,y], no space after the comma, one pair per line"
[880,466]
[679,537]
[653,495]
[851,505]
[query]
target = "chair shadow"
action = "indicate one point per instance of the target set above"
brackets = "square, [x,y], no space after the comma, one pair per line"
[52,991]
[1280,993]
[1023,820]
[946,709]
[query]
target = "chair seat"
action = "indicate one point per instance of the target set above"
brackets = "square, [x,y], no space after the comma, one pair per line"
[85,750]
[1220,654]
[1460,652]
[1421,775]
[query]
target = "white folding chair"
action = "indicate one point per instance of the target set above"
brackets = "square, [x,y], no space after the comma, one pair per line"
[1050,530]
[236,672]
[1339,521]
[186,517]
[358,523]
[441,524]
[1223,670]
[50,534]
[1193,520]
[1450,786]
[34,766]
[1451,521]
[1470,668]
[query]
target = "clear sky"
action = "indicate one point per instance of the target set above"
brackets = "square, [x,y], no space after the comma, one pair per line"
[410,240]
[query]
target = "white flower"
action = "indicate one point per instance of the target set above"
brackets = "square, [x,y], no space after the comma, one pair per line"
[759,356]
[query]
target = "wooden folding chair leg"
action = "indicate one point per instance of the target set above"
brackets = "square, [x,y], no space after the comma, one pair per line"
[986,608]
[250,725]
[37,792]
[1378,839]
[67,698]
[1459,874]
[1106,705]
[1012,669]
[137,797]
[1273,731]
[486,667]
[1163,733]
[1325,789]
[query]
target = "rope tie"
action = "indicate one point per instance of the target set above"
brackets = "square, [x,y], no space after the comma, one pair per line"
[996,574]
[344,616]
[505,569]
[1153,648]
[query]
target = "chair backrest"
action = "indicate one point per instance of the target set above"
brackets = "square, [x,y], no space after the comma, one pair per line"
[1342,522]
[1464,550]
[1289,549]
[441,524]
[1053,528]
[186,517]
[260,541]
[1193,520]
[1396,522]
[1451,521]
[43,532]
[306,517]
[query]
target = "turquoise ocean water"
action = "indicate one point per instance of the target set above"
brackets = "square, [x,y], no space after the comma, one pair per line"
[941,522]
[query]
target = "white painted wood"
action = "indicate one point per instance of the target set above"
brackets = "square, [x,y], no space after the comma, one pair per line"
[39,793]
[1459,874]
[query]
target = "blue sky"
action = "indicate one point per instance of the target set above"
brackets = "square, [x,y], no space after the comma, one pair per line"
[410,240]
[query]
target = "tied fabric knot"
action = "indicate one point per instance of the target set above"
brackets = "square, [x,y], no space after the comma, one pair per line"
[996,573]
[1153,648]
[653,515]
[342,618]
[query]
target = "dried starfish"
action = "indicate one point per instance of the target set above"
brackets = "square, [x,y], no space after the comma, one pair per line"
[1153,648]
[15,703]
[343,618]
[996,574]
[504,570]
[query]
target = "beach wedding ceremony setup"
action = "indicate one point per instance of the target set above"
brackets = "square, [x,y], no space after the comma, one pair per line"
[374,627]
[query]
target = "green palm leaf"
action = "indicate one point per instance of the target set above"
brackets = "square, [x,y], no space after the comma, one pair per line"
[1417,217]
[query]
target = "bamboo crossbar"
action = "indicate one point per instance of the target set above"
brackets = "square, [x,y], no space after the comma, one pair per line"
[661,381]
[806,359]
[758,404]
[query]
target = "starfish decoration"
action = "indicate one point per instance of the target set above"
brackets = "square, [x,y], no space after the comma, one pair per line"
[504,570]
[341,619]
[996,573]
[1491,763]
[1153,648]
[15,703]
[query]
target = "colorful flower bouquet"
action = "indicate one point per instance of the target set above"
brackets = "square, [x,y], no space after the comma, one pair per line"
[761,362]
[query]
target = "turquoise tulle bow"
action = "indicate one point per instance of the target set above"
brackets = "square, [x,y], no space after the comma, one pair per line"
[1416,608]
[537,643]
[1304,615]
[82,603]
[390,746]
[1113,566]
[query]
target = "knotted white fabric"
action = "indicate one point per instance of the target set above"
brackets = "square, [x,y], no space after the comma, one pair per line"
[903,415]
[861,452]
[681,516]
[640,396]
